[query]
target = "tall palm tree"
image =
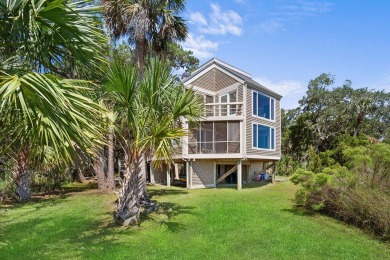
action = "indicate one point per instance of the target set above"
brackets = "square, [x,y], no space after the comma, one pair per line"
[41,111]
[148,24]
[148,123]
[104,169]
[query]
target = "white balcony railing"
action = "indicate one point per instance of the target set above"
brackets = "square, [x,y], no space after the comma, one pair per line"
[223,109]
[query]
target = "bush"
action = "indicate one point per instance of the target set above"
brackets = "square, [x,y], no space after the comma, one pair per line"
[363,207]
[286,166]
[358,194]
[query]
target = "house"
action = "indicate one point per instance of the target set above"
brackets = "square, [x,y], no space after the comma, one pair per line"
[239,134]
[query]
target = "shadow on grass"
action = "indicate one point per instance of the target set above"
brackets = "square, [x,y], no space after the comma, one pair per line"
[299,211]
[67,236]
[251,185]
[37,202]
[166,214]
[78,187]
[43,199]
[165,192]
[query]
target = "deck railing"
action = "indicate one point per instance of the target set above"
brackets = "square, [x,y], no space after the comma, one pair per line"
[223,109]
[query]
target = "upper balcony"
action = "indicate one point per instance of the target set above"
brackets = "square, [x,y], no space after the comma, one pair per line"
[223,111]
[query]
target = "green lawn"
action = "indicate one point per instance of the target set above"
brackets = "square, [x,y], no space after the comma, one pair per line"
[257,222]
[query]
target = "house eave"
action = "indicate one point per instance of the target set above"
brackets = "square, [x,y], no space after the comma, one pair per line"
[264,89]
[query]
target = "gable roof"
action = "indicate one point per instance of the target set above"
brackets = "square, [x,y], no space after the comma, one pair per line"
[246,77]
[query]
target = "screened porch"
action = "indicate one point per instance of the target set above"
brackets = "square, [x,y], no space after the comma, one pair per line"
[215,137]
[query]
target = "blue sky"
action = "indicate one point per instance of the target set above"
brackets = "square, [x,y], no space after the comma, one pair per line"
[285,43]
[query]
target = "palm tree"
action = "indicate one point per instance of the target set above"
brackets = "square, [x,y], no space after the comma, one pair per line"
[104,169]
[148,24]
[37,113]
[41,112]
[56,36]
[148,123]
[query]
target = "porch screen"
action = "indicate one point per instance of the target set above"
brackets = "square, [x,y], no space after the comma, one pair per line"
[215,137]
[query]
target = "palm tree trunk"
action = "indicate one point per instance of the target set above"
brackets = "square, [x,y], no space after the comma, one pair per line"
[99,168]
[128,206]
[110,173]
[140,57]
[104,167]
[77,172]
[142,177]
[21,177]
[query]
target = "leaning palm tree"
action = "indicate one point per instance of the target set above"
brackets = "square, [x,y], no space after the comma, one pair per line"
[42,41]
[148,24]
[148,123]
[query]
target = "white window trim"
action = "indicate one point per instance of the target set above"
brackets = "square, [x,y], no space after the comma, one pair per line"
[228,101]
[270,134]
[266,119]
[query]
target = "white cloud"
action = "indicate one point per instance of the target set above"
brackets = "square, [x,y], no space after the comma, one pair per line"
[220,22]
[296,11]
[198,18]
[271,26]
[200,46]
[291,90]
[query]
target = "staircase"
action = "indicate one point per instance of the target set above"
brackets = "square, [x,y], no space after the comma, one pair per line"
[227,174]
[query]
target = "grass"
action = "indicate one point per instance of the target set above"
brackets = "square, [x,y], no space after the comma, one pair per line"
[257,222]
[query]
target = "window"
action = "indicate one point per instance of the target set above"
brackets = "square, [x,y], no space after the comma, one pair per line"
[263,105]
[215,137]
[228,98]
[209,109]
[263,137]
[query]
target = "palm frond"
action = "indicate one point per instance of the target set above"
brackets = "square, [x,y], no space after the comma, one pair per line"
[52,112]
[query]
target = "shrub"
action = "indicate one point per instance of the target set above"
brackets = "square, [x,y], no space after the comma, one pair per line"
[286,166]
[358,194]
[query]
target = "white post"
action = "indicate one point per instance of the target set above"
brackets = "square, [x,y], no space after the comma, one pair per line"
[176,171]
[190,173]
[184,139]
[169,175]
[152,180]
[239,175]
[215,173]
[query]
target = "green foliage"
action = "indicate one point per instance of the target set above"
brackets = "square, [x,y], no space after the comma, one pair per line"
[327,114]
[302,176]
[315,162]
[286,166]
[27,103]
[150,26]
[327,158]
[60,36]
[179,58]
[42,116]
[357,192]
[149,111]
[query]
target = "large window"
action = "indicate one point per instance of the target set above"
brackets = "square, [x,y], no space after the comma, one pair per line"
[263,137]
[263,105]
[215,137]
